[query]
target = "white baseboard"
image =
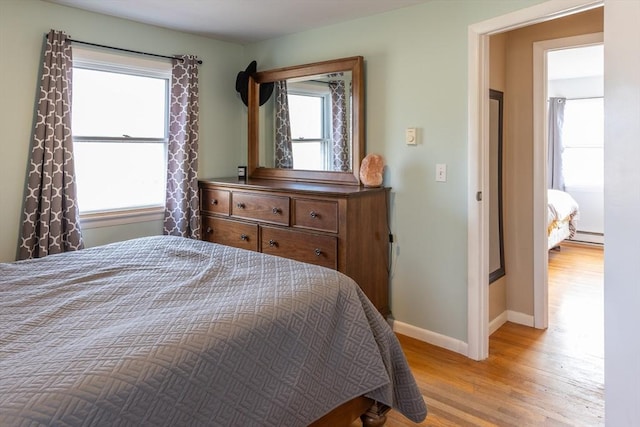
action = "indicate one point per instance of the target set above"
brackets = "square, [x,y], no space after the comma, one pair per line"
[453,344]
[500,320]
[430,337]
[520,318]
[510,316]
[589,238]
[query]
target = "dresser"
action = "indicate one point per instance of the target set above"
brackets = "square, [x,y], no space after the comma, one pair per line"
[342,227]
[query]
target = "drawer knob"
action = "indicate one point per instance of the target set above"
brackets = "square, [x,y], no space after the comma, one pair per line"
[273,243]
[244,237]
[313,214]
[276,211]
[240,205]
[318,252]
[209,230]
[214,202]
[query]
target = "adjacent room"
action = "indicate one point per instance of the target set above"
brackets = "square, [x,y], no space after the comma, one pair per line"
[284,213]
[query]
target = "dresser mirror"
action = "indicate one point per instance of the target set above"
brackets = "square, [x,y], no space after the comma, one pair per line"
[312,127]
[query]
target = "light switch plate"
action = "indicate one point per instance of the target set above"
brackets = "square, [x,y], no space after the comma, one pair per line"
[411,136]
[441,172]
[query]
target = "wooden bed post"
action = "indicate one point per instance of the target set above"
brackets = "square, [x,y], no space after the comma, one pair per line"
[375,416]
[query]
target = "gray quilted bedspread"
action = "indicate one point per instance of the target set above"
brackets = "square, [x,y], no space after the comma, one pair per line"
[167,331]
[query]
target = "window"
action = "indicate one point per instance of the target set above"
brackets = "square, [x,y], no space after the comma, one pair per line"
[120,131]
[583,142]
[309,111]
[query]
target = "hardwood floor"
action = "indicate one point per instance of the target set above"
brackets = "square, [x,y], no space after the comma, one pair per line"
[532,377]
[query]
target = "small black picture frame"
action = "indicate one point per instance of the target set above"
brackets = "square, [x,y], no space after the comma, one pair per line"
[242,172]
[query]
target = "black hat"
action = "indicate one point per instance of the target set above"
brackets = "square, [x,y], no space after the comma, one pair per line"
[242,85]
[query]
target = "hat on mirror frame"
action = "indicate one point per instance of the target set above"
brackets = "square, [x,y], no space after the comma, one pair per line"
[242,85]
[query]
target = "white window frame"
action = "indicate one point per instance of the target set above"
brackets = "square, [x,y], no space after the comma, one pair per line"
[577,147]
[123,63]
[309,89]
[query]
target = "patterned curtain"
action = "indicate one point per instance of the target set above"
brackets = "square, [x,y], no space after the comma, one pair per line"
[339,126]
[555,179]
[181,217]
[51,218]
[284,148]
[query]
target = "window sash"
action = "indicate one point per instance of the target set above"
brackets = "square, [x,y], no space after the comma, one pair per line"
[103,104]
[106,61]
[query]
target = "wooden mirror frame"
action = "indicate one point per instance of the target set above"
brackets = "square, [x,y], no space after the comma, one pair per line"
[496,240]
[354,64]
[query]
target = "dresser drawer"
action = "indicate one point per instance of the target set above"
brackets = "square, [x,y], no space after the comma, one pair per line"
[230,233]
[260,207]
[301,246]
[315,214]
[214,201]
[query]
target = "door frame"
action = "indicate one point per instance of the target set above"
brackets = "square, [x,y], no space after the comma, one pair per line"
[478,157]
[540,136]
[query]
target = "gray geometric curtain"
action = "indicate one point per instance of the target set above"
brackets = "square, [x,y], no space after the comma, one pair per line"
[555,179]
[339,126]
[50,221]
[284,147]
[181,216]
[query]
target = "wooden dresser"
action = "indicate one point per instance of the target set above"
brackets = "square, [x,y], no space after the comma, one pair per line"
[342,227]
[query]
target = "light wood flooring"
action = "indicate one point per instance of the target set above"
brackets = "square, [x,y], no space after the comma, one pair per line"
[552,377]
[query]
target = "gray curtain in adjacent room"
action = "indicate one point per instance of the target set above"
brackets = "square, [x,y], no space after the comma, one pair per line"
[284,147]
[339,126]
[50,222]
[181,216]
[555,179]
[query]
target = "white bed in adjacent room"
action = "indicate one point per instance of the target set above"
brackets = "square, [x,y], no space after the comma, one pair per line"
[563,213]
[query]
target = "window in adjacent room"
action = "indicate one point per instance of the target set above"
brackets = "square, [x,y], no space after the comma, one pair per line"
[583,143]
[120,131]
[309,110]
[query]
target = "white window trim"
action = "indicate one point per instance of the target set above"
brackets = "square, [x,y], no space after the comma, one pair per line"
[105,60]
[121,217]
[310,89]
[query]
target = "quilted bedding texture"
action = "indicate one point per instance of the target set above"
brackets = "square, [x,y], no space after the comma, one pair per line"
[177,332]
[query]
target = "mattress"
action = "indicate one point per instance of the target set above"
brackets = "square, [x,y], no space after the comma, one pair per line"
[172,331]
[562,216]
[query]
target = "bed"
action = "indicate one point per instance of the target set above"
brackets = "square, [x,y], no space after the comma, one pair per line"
[563,213]
[179,332]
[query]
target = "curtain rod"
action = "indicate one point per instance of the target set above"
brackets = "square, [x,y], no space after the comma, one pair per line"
[128,50]
[584,97]
[578,99]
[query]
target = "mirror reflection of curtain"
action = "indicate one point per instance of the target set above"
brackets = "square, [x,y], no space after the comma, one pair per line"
[555,179]
[284,148]
[339,126]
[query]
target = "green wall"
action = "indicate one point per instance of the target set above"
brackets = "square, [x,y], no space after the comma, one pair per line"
[23,24]
[416,76]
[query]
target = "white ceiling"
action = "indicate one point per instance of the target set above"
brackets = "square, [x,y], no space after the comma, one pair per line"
[241,21]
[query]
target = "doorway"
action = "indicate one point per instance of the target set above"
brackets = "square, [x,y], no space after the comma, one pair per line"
[542,92]
[478,293]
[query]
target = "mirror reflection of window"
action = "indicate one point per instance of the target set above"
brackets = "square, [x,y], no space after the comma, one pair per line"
[309,113]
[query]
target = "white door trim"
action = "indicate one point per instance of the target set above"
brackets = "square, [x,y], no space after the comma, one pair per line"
[478,105]
[540,126]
